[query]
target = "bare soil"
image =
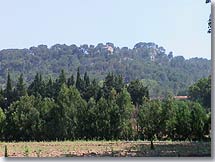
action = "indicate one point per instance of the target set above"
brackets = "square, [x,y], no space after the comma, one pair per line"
[106,149]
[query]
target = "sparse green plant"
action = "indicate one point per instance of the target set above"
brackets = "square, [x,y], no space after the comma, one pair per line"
[26,151]
[38,152]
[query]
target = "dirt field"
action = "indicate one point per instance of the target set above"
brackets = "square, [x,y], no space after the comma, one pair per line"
[106,149]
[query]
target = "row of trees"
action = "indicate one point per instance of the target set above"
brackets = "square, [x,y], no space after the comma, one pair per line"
[70,109]
[172,119]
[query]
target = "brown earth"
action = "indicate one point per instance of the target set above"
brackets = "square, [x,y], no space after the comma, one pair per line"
[106,149]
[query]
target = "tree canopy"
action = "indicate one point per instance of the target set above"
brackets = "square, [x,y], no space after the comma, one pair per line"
[145,61]
[55,110]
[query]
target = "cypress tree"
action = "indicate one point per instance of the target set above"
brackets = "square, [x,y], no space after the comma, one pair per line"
[79,82]
[86,80]
[34,87]
[9,96]
[62,78]
[2,98]
[20,87]
[49,88]
[71,81]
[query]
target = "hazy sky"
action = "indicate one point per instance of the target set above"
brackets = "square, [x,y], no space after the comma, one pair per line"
[177,25]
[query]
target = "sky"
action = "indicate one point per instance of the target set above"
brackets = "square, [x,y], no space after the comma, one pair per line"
[177,25]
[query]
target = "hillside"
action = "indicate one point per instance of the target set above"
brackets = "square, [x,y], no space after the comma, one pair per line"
[162,72]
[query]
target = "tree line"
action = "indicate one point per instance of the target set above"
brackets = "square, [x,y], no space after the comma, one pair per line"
[79,108]
[145,61]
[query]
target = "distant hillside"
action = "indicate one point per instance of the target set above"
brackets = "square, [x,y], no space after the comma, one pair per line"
[162,72]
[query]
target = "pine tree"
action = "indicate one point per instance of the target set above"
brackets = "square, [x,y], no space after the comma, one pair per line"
[119,84]
[79,82]
[168,117]
[22,125]
[90,125]
[149,119]
[198,120]
[9,84]
[108,85]
[47,127]
[8,94]
[2,120]
[59,82]
[183,120]
[103,119]
[71,81]
[20,87]
[91,91]
[137,92]
[68,113]
[86,80]
[62,78]
[49,90]
[125,110]
[37,87]
[2,99]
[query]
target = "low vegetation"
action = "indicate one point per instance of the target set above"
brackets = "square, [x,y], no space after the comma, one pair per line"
[107,149]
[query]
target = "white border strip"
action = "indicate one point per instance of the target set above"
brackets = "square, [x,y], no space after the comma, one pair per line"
[212,73]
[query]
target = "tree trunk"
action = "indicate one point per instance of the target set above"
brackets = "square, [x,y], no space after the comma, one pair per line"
[152,145]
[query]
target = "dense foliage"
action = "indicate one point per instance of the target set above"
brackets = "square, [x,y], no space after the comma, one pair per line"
[71,109]
[201,92]
[148,62]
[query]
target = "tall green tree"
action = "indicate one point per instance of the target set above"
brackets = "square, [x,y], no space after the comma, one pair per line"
[70,81]
[114,114]
[2,99]
[89,126]
[92,91]
[37,87]
[201,92]
[125,113]
[2,120]
[62,78]
[9,93]
[137,91]
[59,82]
[86,80]
[103,119]
[149,119]
[119,83]
[20,89]
[198,120]
[183,120]
[108,85]
[79,82]
[88,88]
[9,85]
[45,108]
[65,116]
[169,117]
[50,89]
[22,122]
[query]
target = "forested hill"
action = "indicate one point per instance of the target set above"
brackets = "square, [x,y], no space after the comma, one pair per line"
[161,71]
